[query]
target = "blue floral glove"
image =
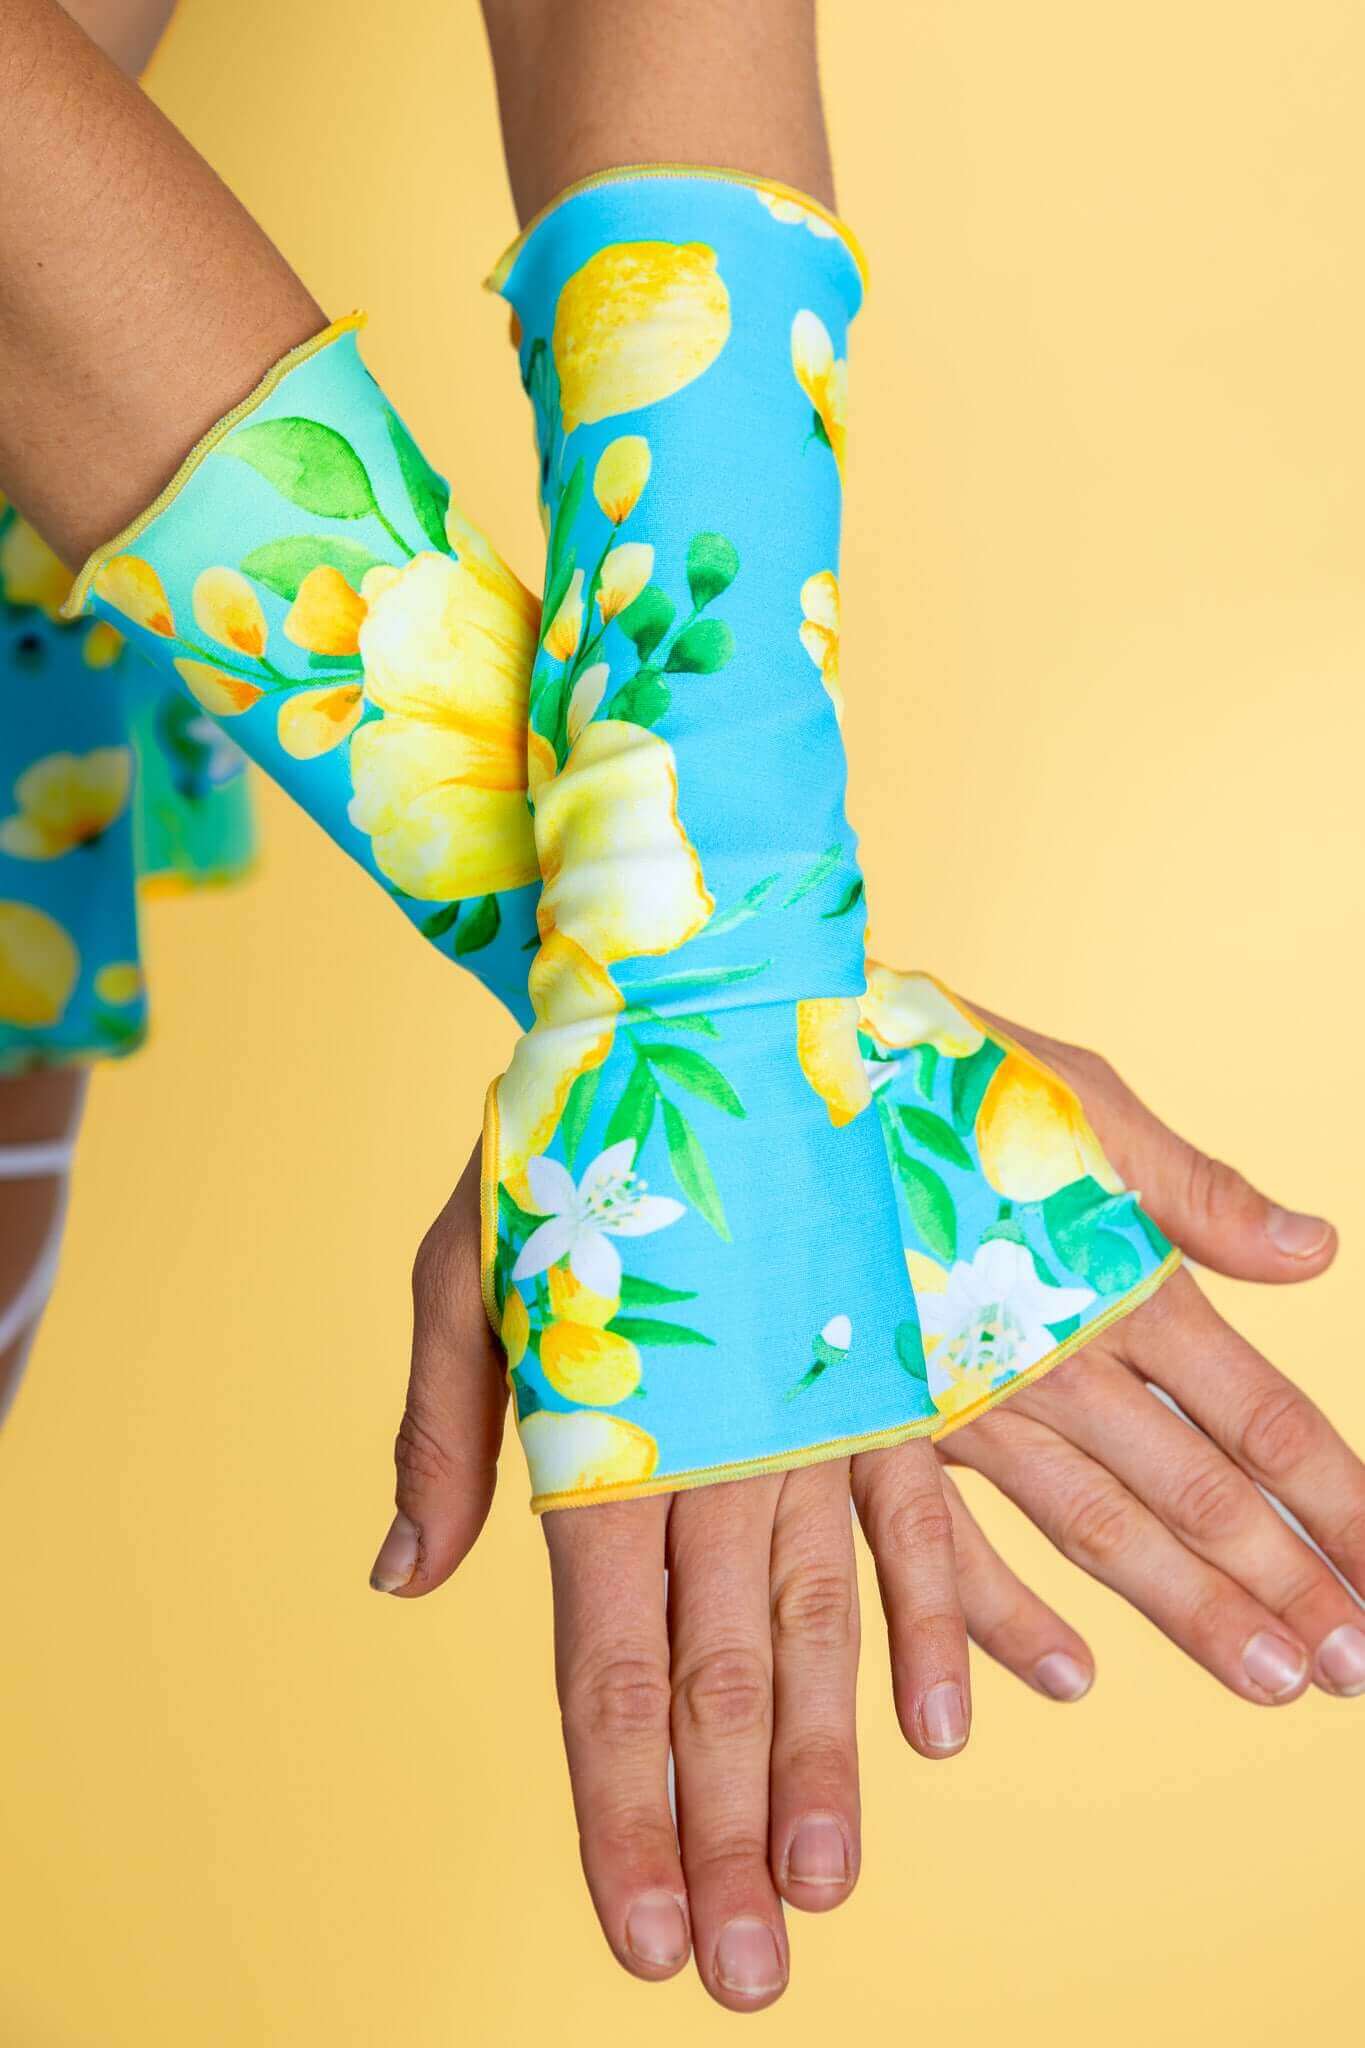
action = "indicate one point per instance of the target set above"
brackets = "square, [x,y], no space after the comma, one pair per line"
[108,778]
[695,1265]
[306,581]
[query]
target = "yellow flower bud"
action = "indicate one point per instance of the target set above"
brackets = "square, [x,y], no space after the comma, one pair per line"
[562,638]
[229,611]
[625,573]
[516,1329]
[133,587]
[621,474]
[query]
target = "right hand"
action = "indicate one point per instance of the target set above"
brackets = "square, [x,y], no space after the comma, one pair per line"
[743,1662]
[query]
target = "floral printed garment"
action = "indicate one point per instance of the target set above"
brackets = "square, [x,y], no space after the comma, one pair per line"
[315,593]
[108,778]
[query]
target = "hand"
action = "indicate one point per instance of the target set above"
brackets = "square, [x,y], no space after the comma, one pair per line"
[1166,1514]
[744,1661]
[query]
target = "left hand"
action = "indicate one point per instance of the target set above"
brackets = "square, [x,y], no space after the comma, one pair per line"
[1168,1515]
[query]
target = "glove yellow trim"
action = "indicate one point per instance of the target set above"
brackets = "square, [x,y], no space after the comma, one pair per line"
[717,174]
[80,589]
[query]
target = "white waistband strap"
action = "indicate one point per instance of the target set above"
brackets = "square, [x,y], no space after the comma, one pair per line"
[33,1162]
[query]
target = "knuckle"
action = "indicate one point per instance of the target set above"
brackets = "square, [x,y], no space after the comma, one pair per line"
[619,1701]
[813,1605]
[1098,1525]
[725,1693]
[917,1527]
[728,1866]
[819,1761]
[418,1452]
[1213,1189]
[632,1844]
[1349,1538]
[1208,1502]
[1206,1620]
[1277,1432]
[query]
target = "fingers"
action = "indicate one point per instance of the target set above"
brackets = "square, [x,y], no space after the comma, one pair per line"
[905,1518]
[719,1544]
[1200,1495]
[1101,1526]
[813,1823]
[1275,1434]
[612,1670]
[446,1452]
[1007,1620]
[1206,1207]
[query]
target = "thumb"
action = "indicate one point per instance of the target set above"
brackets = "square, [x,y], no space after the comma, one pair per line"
[1203,1205]
[446,1452]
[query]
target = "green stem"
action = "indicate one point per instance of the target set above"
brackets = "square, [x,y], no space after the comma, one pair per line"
[394,535]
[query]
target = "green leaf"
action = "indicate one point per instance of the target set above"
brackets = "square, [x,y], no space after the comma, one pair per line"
[703,978]
[695,1022]
[930,1205]
[649,1330]
[693,1169]
[479,929]
[577,1110]
[313,466]
[566,512]
[550,691]
[428,493]
[1007,1227]
[934,1135]
[748,903]
[1059,1332]
[556,590]
[922,1062]
[281,565]
[440,921]
[814,876]
[518,1222]
[646,619]
[527,1399]
[971,1078]
[638,1293]
[634,1113]
[1108,1263]
[695,1073]
[712,566]
[852,896]
[701,648]
[910,1352]
[817,430]
[641,701]
[1080,1207]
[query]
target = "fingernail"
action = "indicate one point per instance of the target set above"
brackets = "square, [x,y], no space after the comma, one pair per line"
[1273,1664]
[1297,1235]
[656,1931]
[1061,1677]
[397,1559]
[1341,1660]
[819,1851]
[747,1959]
[943,1716]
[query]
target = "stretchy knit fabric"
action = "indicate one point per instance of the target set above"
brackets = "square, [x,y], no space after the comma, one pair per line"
[109,778]
[717,1147]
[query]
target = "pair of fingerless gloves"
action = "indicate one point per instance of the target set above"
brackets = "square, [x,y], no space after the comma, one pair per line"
[748,1202]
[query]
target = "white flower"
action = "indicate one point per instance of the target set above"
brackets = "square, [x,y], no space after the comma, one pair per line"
[838,1333]
[990,1319]
[608,1202]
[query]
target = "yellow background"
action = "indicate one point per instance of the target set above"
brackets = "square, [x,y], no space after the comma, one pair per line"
[1105,605]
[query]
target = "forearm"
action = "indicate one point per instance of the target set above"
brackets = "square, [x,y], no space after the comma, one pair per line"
[138,299]
[584,85]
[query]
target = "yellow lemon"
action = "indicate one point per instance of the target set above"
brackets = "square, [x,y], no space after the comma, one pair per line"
[827,1048]
[584,1452]
[38,966]
[635,324]
[586,1364]
[1032,1134]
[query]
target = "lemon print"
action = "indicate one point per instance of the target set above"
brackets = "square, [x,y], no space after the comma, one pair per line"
[119,982]
[585,1452]
[1032,1134]
[827,1047]
[584,1363]
[38,966]
[635,324]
